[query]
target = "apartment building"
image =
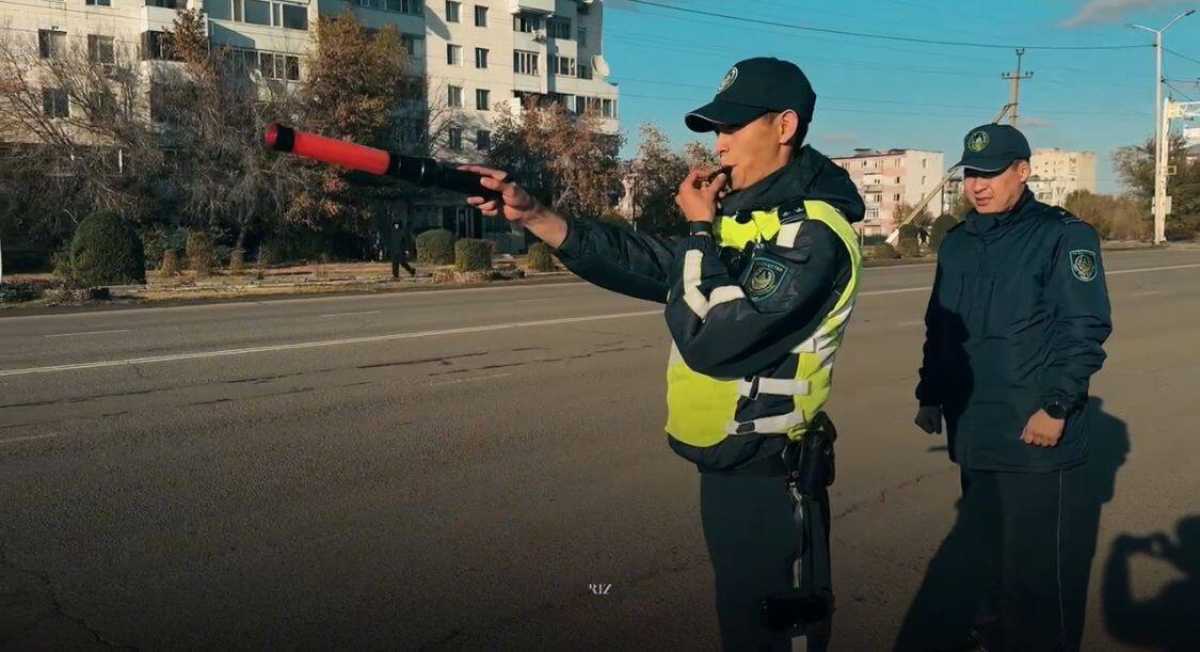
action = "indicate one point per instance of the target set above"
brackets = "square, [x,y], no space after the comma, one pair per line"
[1057,173]
[481,57]
[887,179]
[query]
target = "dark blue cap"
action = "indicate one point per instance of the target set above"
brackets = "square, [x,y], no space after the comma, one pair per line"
[752,88]
[993,147]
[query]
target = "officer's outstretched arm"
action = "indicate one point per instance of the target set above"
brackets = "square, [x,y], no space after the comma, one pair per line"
[613,258]
[733,328]
[618,259]
[1078,295]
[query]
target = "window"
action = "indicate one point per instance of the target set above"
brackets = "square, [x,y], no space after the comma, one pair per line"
[411,7]
[897,179]
[581,36]
[454,96]
[483,140]
[293,68]
[258,12]
[525,62]
[564,66]
[295,17]
[158,45]
[51,44]
[924,162]
[480,16]
[454,55]
[896,197]
[580,104]
[55,104]
[585,71]
[526,23]
[266,64]
[456,135]
[100,49]
[167,4]
[98,3]
[608,108]
[481,56]
[452,11]
[409,43]
[922,181]
[559,28]
[872,213]
[483,99]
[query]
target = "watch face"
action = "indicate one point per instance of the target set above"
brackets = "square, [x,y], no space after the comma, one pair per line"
[1056,410]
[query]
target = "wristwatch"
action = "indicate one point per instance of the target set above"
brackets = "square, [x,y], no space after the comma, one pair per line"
[1056,409]
[700,228]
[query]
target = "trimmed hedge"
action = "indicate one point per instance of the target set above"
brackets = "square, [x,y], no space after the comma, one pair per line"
[202,257]
[472,255]
[937,232]
[436,247]
[540,259]
[106,251]
[883,251]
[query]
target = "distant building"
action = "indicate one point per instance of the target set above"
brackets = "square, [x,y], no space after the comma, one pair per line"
[887,179]
[1057,173]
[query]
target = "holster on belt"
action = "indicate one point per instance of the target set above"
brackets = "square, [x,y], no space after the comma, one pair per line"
[810,460]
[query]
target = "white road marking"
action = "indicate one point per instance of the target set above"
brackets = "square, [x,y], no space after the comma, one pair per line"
[1150,269]
[909,324]
[468,380]
[406,336]
[350,314]
[200,355]
[124,330]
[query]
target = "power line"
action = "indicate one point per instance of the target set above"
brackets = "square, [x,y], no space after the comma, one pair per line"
[1181,56]
[884,37]
[1181,93]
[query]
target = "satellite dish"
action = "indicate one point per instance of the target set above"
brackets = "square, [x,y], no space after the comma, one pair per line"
[600,66]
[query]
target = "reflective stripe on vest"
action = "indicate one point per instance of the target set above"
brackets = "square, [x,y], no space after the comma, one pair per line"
[701,409]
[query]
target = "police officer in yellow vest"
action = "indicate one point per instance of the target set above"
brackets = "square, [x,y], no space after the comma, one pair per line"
[757,298]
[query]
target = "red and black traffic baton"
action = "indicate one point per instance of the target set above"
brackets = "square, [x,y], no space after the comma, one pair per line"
[421,171]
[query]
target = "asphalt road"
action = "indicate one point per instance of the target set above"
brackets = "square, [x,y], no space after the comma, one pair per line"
[463,469]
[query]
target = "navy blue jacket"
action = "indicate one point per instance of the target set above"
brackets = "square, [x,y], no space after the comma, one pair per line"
[1017,319]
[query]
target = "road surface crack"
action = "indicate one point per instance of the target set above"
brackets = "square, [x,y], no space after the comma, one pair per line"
[888,491]
[56,609]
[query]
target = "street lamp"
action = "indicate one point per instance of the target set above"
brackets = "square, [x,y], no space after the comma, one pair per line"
[1160,164]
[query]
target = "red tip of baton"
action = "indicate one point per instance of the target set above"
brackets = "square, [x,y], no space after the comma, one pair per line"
[272,135]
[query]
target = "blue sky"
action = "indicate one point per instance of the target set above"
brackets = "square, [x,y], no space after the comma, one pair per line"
[882,94]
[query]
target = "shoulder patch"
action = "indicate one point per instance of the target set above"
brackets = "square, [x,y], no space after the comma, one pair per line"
[1083,264]
[764,278]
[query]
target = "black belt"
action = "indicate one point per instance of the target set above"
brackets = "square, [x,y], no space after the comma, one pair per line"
[768,466]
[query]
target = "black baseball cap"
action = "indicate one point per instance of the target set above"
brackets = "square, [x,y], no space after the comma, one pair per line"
[993,147]
[753,88]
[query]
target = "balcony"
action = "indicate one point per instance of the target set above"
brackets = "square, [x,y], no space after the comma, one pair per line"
[159,16]
[531,6]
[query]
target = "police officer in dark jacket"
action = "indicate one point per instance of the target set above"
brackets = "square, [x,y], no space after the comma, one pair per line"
[757,298]
[1014,331]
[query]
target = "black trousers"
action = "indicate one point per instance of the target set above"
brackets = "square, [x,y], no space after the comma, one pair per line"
[1015,566]
[751,540]
[401,261]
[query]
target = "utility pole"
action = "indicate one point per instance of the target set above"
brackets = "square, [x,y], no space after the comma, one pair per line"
[1161,207]
[1014,97]
[894,237]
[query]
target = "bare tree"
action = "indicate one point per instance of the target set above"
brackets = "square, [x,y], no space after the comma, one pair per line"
[562,158]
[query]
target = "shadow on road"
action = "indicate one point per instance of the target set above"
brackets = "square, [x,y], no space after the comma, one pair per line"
[1170,620]
[959,586]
